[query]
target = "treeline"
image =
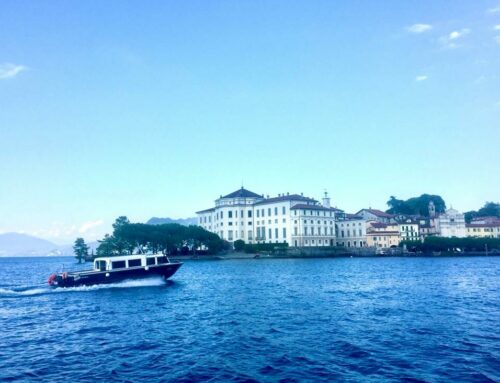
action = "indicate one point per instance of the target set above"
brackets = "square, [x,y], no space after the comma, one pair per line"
[170,239]
[431,244]
[490,209]
[416,205]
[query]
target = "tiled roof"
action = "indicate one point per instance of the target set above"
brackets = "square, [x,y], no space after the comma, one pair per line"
[353,216]
[205,211]
[312,207]
[492,224]
[377,233]
[242,193]
[290,197]
[378,213]
[378,225]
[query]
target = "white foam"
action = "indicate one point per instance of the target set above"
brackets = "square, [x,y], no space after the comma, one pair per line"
[48,290]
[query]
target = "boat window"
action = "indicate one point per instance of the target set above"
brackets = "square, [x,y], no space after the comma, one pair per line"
[118,264]
[134,262]
[100,265]
[162,260]
[150,261]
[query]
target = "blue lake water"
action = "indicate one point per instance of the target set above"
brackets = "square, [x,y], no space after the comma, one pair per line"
[350,319]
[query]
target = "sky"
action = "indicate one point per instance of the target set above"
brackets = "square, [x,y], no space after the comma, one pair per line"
[156,108]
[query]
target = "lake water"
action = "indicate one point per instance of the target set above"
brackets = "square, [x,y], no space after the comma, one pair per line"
[349,319]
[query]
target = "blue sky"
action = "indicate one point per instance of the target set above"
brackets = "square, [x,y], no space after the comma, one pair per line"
[156,108]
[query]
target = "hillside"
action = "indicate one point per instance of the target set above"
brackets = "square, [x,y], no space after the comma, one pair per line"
[181,221]
[16,244]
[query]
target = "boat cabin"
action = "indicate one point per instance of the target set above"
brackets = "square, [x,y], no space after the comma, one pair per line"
[128,261]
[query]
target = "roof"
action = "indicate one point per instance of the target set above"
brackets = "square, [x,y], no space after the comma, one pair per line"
[205,211]
[378,233]
[492,224]
[242,193]
[312,207]
[289,197]
[353,216]
[378,225]
[376,212]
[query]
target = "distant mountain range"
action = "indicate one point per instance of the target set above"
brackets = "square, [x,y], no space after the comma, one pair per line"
[24,245]
[181,221]
[19,245]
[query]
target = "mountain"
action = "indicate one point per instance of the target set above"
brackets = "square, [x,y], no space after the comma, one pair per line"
[16,244]
[181,221]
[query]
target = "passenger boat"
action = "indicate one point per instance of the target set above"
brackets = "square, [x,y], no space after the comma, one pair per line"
[116,269]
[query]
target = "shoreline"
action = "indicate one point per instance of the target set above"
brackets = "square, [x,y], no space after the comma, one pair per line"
[260,256]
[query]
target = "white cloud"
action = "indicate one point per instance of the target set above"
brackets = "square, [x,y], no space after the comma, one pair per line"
[496,27]
[451,41]
[8,70]
[89,225]
[419,28]
[493,10]
[421,78]
[457,34]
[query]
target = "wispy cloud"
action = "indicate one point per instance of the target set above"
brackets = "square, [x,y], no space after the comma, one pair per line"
[493,10]
[419,28]
[458,34]
[451,40]
[421,78]
[89,225]
[496,27]
[9,70]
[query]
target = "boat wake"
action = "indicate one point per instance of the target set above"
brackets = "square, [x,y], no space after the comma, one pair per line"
[37,290]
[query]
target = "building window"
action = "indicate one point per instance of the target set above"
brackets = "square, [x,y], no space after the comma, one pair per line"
[230,214]
[250,213]
[270,234]
[276,210]
[283,210]
[295,230]
[284,232]
[250,235]
[230,235]
[276,233]
[269,212]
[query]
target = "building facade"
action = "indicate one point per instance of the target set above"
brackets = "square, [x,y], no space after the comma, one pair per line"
[451,224]
[291,218]
[484,227]
[382,235]
[351,231]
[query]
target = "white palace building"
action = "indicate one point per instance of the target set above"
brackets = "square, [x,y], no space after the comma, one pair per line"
[300,221]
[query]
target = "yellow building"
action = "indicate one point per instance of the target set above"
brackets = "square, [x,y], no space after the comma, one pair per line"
[382,235]
[484,227]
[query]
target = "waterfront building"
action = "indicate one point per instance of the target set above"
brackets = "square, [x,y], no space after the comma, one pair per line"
[451,224]
[291,218]
[484,227]
[382,235]
[409,229]
[351,230]
[376,215]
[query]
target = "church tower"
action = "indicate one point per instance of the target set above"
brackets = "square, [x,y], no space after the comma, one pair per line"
[432,210]
[326,200]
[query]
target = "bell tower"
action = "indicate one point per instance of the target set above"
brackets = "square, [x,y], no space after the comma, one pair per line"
[432,210]
[326,200]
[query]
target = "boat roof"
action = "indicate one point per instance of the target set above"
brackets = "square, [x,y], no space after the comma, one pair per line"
[127,257]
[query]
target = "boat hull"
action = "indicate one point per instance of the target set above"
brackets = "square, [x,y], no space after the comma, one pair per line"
[89,278]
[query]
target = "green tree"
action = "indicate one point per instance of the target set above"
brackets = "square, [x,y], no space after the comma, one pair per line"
[106,246]
[490,209]
[416,205]
[80,249]
[239,245]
